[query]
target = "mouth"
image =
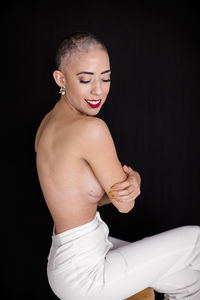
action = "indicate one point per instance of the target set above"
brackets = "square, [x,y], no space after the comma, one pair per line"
[93,103]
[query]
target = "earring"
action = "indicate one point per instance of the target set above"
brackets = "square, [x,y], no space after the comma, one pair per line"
[62,90]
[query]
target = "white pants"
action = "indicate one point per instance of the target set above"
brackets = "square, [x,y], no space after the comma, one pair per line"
[84,263]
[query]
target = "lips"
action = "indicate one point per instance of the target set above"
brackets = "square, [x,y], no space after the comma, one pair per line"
[93,103]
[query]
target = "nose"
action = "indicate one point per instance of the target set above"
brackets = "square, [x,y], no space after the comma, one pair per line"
[96,88]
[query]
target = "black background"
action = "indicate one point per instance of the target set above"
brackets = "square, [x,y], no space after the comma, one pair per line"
[152,112]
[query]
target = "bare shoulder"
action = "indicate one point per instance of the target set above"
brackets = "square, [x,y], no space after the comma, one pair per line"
[95,134]
[93,127]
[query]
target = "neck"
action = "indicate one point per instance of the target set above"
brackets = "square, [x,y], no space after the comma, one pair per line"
[68,108]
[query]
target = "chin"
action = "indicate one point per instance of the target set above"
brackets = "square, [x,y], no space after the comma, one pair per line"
[92,114]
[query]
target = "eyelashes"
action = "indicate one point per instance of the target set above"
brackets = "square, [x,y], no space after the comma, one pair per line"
[87,81]
[84,81]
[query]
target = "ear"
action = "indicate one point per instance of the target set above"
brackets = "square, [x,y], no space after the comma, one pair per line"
[59,78]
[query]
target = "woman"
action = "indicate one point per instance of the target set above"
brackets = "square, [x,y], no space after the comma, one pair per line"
[77,165]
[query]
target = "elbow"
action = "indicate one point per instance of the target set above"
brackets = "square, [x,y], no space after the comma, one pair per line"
[124,209]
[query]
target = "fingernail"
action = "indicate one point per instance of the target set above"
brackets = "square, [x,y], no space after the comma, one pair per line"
[113,187]
[110,194]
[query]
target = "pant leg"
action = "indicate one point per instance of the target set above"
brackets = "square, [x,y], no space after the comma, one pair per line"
[169,262]
[83,264]
[117,242]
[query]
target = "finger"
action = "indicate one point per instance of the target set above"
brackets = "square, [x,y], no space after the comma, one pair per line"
[120,186]
[125,202]
[130,197]
[126,169]
[118,193]
[125,183]
[128,193]
[132,194]
[125,187]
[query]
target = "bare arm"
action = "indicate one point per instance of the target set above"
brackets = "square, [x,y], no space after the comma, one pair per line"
[128,190]
[99,151]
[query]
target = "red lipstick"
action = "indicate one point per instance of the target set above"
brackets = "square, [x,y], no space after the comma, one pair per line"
[93,103]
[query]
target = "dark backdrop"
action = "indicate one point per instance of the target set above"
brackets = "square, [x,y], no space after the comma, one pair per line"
[152,112]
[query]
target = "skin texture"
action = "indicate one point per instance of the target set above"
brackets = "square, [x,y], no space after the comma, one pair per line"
[76,159]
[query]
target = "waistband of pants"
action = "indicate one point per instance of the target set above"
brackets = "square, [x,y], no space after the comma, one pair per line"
[76,232]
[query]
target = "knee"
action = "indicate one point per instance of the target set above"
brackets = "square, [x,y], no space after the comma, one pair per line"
[193,231]
[189,234]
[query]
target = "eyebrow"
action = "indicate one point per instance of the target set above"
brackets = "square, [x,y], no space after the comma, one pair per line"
[91,73]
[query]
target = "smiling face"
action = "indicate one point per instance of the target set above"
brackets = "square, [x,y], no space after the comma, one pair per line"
[86,78]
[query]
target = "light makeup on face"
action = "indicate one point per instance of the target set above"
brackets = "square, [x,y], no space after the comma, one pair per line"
[86,79]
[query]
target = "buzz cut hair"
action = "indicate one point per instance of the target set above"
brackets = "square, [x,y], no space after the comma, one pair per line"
[80,41]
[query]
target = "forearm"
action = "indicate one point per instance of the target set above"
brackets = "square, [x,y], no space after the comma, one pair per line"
[134,182]
[124,207]
[104,200]
[121,206]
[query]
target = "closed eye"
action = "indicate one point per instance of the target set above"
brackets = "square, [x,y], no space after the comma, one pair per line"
[87,81]
[84,81]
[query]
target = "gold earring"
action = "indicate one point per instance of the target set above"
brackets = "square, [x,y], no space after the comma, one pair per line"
[62,90]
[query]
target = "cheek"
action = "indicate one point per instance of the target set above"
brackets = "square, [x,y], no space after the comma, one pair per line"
[82,91]
[107,89]
[79,91]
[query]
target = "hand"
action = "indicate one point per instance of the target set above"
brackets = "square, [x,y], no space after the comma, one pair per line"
[127,190]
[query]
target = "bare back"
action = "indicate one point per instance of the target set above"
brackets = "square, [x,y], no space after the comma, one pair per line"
[68,183]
